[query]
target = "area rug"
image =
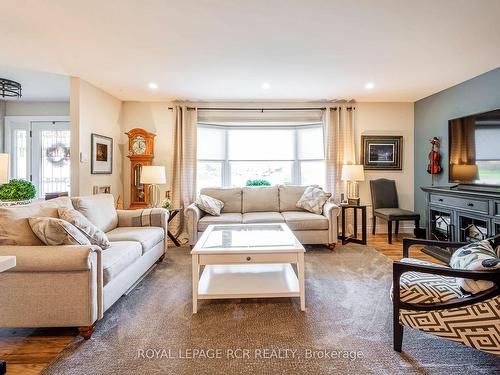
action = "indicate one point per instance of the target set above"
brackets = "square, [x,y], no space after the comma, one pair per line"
[346,328]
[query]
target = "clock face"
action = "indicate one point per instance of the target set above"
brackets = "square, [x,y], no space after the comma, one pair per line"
[139,145]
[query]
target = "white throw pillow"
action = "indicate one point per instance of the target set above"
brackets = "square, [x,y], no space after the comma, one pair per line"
[54,232]
[94,234]
[313,199]
[208,204]
[475,256]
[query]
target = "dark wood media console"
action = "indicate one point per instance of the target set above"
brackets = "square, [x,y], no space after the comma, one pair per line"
[459,215]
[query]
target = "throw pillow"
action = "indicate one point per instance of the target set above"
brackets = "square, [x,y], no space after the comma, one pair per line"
[208,204]
[474,257]
[94,234]
[54,232]
[313,199]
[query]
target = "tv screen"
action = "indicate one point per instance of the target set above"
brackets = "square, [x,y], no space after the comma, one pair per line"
[474,149]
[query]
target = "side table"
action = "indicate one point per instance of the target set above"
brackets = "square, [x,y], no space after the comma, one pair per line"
[354,238]
[172,214]
[6,262]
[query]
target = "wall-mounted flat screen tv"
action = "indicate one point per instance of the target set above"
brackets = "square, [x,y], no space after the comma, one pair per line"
[474,149]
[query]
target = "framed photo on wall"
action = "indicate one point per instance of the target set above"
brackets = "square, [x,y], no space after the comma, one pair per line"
[382,152]
[102,154]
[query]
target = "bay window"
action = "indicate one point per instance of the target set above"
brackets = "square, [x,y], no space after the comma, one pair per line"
[231,155]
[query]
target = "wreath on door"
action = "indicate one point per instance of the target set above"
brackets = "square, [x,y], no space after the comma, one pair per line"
[58,154]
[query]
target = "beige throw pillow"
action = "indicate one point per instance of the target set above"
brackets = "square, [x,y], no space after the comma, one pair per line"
[313,199]
[54,232]
[208,204]
[94,234]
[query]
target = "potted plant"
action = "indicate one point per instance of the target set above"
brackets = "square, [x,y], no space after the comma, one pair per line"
[258,183]
[17,192]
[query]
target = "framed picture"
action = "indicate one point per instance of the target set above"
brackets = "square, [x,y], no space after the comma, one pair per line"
[102,154]
[382,152]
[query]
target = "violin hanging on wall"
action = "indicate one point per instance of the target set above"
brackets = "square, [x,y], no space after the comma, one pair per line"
[434,166]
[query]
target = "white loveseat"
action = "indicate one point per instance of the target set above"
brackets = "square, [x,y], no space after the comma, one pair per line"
[72,286]
[273,204]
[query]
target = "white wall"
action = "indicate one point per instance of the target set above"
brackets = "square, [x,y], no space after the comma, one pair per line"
[29,108]
[388,119]
[155,118]
[94,111]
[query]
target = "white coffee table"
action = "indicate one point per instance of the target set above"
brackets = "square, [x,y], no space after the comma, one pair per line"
[248,261]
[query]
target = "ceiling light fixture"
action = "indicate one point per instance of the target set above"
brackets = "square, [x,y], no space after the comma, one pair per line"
[153,86]
[9,89]
[266,86]
[369,85]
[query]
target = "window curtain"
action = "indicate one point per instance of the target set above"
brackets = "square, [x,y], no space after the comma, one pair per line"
[183,164]
[339,147]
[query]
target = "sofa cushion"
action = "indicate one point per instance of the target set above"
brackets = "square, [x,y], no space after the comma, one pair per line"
[476,256]
[99,209]
[94,234]
[313,199]
[230,197]
[14,226]
[289,195]
[117,257]
[227,218]
[54,232]
[305,221]
[209,205]
[148,237]
[262,217]
[260,199]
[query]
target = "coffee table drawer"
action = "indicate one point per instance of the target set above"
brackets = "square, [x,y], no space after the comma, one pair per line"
[247,258]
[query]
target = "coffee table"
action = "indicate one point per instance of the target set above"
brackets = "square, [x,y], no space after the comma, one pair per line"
[248,261]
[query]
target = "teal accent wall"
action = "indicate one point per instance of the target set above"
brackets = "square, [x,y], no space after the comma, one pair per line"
[479,94]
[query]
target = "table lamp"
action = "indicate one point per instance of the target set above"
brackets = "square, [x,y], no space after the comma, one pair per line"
[153,175]
[4,168]
[352,173]
[465,172]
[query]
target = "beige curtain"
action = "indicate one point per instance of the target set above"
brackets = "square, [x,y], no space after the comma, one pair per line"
[340,149]
[183,164]
[463,150]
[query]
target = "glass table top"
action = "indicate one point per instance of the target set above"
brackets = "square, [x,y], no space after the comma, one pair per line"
[251,236]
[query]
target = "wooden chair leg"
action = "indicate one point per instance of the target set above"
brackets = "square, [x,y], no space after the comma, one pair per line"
[86,331]
[396,230]
[398,336]
[374,225]
[389,231]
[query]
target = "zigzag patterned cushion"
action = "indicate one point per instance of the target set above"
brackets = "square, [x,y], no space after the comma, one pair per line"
[417,287]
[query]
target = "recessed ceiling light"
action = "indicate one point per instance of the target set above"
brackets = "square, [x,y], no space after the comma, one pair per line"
[266,86]
[369,85]
[153,86]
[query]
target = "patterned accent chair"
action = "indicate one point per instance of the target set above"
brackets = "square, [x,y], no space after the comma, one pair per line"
[426,297]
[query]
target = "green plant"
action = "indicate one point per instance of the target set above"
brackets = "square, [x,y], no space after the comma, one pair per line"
[258,183]
[17,190]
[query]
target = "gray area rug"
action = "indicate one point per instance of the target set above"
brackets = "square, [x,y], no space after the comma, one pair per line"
[346,328]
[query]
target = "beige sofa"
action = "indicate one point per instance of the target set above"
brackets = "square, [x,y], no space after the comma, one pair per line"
[66,286]
[274,204]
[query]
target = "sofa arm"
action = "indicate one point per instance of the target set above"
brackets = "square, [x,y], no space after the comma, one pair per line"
[193,214]
[331,212]
[52,258]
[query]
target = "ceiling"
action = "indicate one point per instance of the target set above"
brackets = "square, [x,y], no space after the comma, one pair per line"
[226,49]
[37,85]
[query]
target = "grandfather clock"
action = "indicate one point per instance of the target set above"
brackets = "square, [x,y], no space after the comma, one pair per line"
[140,153]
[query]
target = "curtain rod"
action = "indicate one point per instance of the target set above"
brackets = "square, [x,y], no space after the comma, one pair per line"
[261,109]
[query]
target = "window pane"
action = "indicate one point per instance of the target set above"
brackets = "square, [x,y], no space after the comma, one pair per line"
[310,143]
[20,154]
[55,165]
[261,144]
[312,173]
[209,174]
[276,172]
[210,143]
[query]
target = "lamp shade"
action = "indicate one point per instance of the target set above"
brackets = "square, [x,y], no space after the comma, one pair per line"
[4,168]
[153,174]
[465,172]
[353,172]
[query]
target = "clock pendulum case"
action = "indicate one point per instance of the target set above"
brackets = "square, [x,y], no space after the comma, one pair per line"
[140,153]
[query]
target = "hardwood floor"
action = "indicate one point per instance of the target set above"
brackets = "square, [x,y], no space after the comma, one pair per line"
[28,351]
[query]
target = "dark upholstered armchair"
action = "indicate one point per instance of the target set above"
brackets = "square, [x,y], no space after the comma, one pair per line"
[386,206]
[426,297]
